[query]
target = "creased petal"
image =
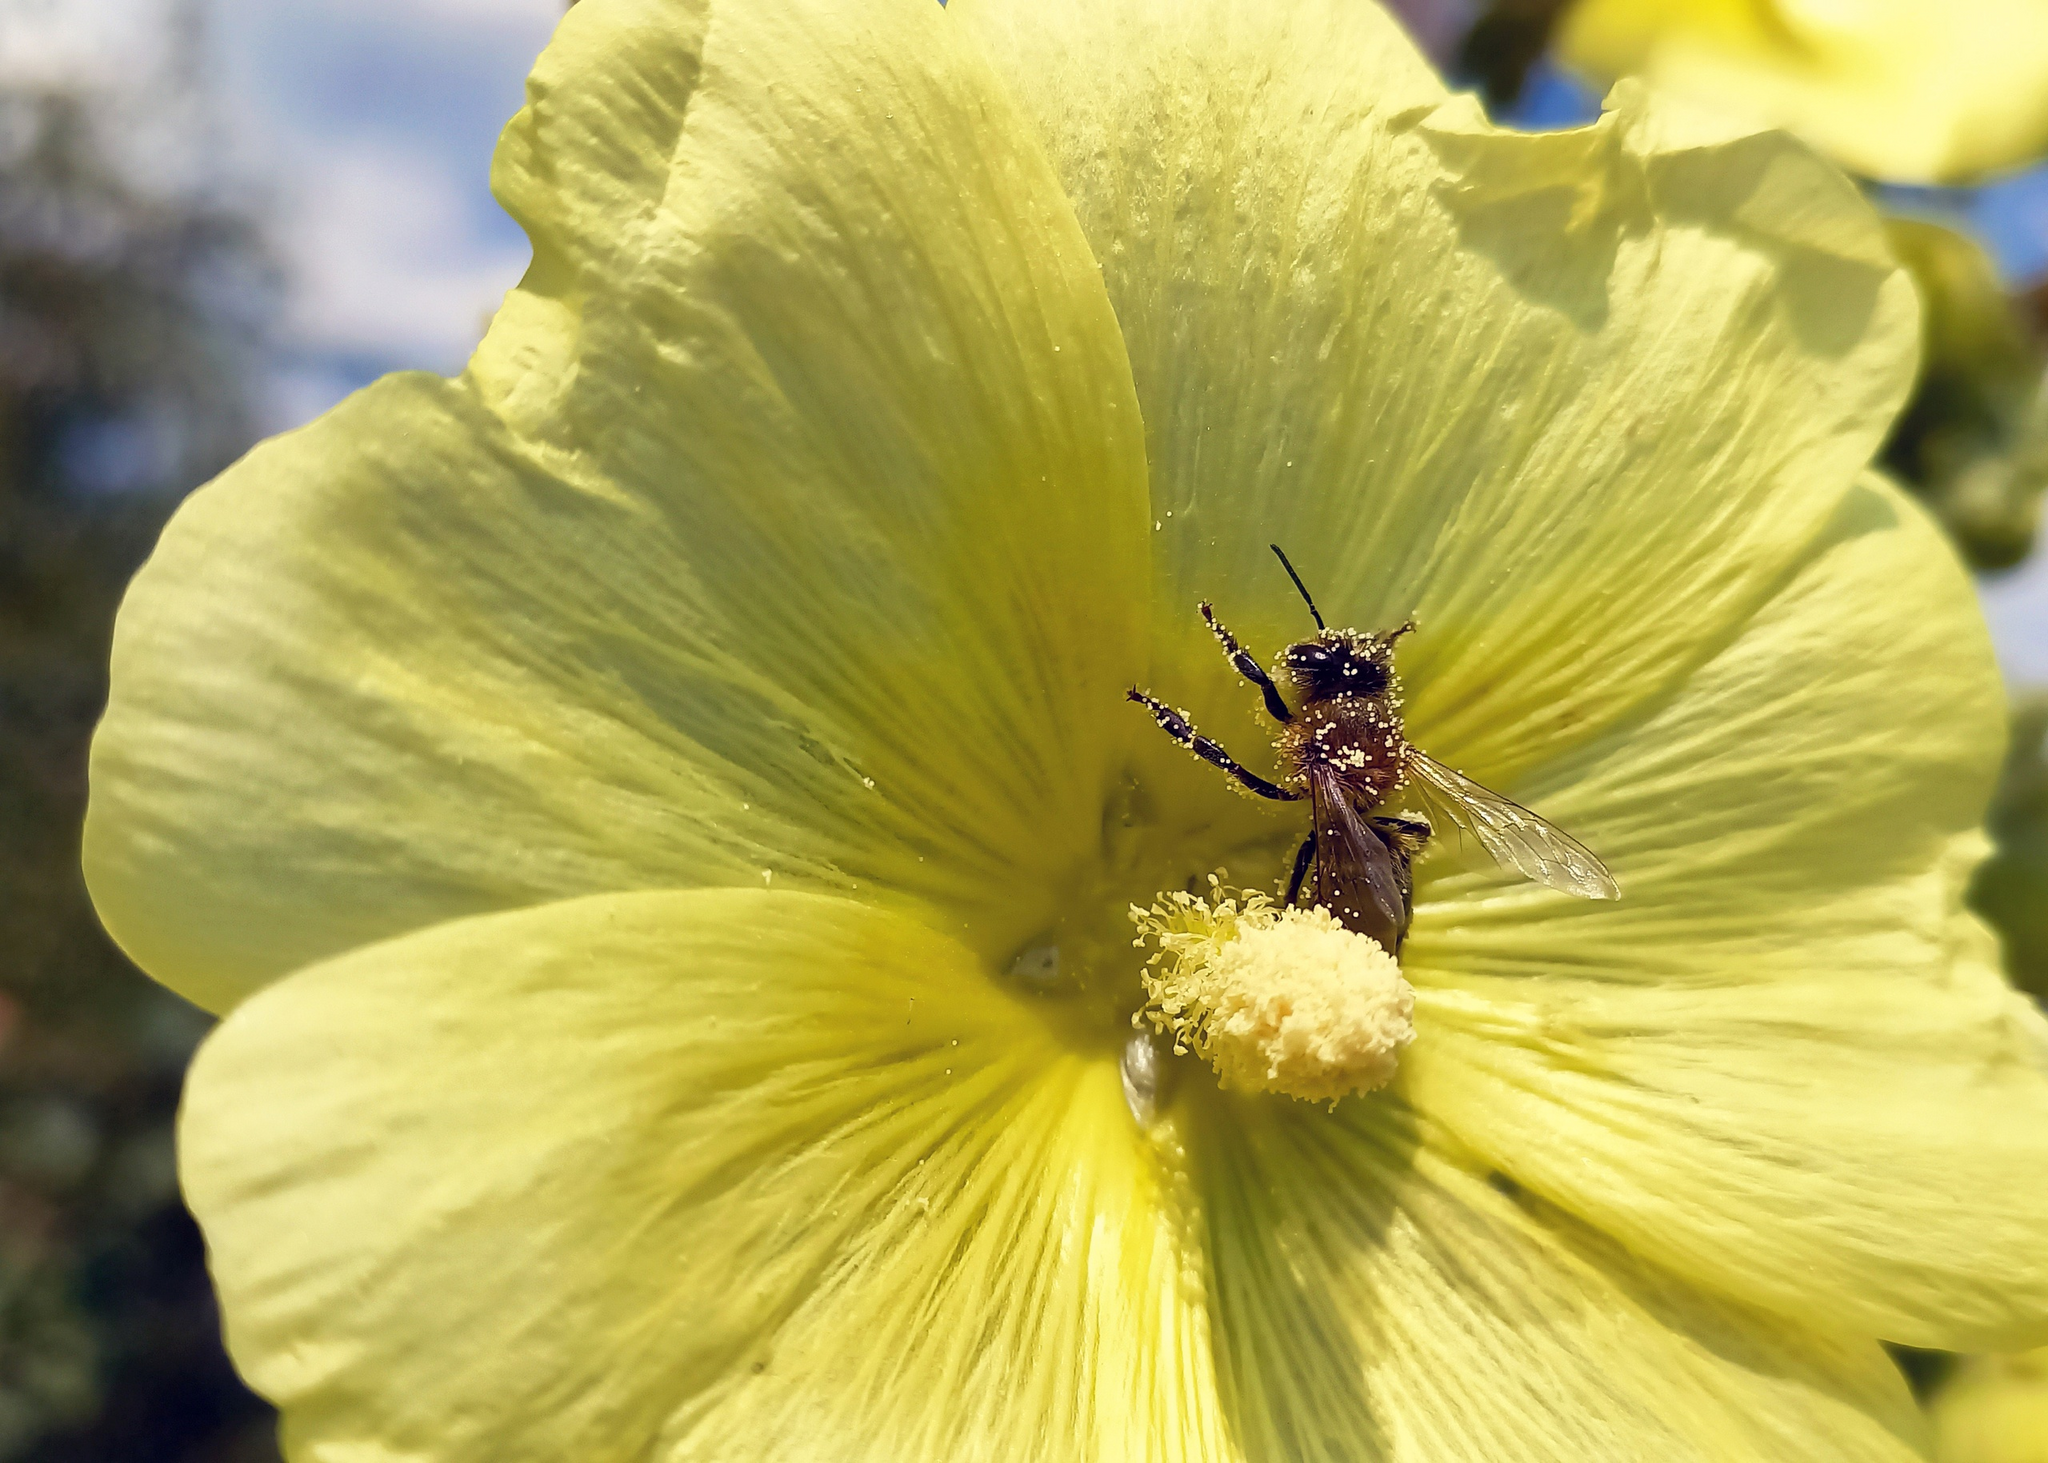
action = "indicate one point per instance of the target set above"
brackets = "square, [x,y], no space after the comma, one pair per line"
[1578,402]
[738,1175]
[1377,1298]
[1898,89]
[722,1175]
[1783,1063]
[787,526]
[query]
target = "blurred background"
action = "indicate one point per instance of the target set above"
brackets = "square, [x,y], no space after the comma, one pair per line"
[218,217]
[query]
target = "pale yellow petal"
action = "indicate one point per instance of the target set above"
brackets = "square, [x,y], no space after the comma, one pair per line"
[1784,1063]
[1377,1298]
[1900,89]
[725,1175]
[1993,1409]
[736,1175]
[787,528]
[1579,402]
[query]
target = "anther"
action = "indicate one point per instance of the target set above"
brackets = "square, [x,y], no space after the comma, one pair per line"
[1276,1000]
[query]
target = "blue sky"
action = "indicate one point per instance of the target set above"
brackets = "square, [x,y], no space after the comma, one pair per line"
[360,129]
[373,122]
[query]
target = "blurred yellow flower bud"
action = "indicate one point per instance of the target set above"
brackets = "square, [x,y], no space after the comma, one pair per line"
[1895,89]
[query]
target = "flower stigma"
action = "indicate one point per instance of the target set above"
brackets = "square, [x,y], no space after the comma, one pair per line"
[1275,999]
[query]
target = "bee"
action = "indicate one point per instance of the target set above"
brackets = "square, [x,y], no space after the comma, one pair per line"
[1346,753]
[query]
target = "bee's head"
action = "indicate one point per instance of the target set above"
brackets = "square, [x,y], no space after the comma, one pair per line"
[1342,663]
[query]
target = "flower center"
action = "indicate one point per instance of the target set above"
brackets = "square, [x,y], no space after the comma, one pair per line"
[1276,1000]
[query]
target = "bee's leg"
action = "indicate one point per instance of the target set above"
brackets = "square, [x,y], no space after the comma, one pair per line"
[1176,726]
[1302,859]
[1244,665]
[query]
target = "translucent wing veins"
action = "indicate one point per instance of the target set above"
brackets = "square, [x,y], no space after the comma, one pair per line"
[1512,835]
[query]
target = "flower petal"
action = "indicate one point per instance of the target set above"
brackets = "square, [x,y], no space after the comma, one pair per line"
[788,525]
[1993,1409]
[1897,89]
[1783,1064]
[1377,1298]
[737,1174]
[1577,401]
[726,1175]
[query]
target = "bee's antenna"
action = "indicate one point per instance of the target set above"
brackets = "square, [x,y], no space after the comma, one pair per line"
[1305,598]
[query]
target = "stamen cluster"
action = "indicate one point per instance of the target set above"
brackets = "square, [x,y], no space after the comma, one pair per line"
[1275,999]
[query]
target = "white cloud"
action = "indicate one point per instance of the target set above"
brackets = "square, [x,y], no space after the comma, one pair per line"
[90,44]
[372,124]
[385,262]
[2016,604]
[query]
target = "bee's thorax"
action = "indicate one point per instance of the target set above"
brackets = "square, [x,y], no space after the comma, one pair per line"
[1358,737]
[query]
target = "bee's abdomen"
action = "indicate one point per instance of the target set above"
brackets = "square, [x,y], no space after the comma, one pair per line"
[1357,737]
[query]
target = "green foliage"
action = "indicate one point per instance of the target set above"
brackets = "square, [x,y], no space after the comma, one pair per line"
[126,330]
[1973,442]
[2011,890]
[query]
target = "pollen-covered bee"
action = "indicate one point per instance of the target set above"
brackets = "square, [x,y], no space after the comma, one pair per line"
[1346,753]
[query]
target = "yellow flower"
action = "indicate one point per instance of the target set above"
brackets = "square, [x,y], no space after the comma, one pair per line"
[1906,90]
[660,811]
[1994,1409]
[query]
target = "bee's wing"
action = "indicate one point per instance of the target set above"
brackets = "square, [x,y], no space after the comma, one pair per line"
[1514,836]
[1356,878]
